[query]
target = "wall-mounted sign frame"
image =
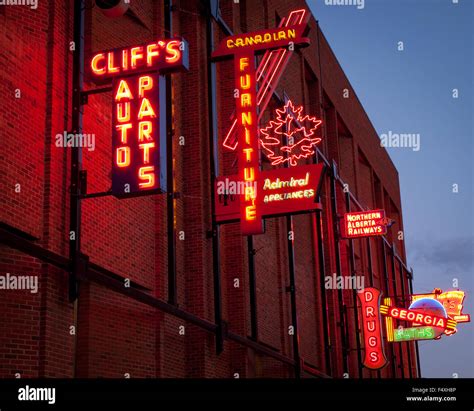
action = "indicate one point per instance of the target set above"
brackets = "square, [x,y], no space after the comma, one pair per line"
[362,224]
[139,113]
[282,191]
[273,192]
[426,314]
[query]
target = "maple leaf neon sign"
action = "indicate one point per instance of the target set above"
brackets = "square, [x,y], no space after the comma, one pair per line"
[290,137]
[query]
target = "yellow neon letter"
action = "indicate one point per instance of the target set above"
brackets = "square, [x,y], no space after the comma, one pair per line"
[123,130]
[151,51]
[146,151]
[122,156]
[144,83]
[245,99]
[250,213]
[249,174]
[123,91]
[148,174]
[146,110]
[136,54]
[145,129]
[243,62]
[94,61]
[245,82]
[121,117]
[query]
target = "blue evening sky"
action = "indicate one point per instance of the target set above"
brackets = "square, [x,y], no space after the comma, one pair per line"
[411,91]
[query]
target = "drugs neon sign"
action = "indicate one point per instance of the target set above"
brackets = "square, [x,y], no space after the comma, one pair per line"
[374,352]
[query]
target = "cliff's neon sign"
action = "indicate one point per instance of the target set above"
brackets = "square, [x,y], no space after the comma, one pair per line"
[167,54]
[135,135]
[137,116]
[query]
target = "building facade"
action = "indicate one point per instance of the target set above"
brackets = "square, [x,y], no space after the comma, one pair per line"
[162,290]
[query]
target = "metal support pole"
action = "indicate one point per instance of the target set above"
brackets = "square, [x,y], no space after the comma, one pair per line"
[400,267]
[395,292]
[335,220]
[369,257]
[214,163]
[76,153]
[387,290]
[170,200]
[252,290]
[354,294]
[317,221]
[418,365]
[294,314]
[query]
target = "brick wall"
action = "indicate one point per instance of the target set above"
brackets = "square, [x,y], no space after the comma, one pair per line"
[116,336]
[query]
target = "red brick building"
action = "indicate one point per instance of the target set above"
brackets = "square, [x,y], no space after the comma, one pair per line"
[160,285]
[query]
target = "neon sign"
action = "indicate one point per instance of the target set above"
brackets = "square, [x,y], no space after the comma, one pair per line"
[364,224]
[288,138]
[281,191]
[249,43]
[414,334]
[251,222]
[162,55]
[135,135]
[138,142]
[269,72]
[417,317]
[452,302]
[428,316]
[374,352]
[243,48]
